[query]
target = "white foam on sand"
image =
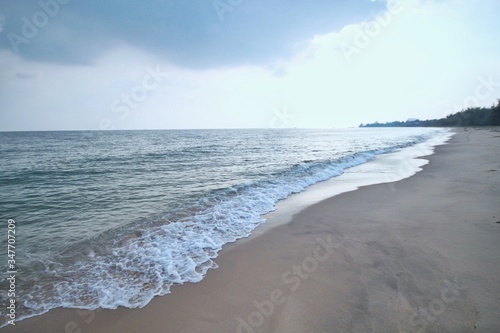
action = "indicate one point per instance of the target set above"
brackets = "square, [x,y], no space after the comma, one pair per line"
[384,168]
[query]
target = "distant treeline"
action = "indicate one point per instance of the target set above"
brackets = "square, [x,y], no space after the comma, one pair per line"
[470,117]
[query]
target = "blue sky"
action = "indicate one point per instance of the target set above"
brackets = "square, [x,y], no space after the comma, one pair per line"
[72,64]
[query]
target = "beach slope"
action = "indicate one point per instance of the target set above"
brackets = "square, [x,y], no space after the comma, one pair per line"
[418,255]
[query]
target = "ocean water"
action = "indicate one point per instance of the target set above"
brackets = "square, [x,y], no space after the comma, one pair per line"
[114,218]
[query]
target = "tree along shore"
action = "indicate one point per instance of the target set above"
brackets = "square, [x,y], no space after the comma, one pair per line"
[469,117]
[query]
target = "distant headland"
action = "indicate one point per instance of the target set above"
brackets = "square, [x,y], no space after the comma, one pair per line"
[469,117]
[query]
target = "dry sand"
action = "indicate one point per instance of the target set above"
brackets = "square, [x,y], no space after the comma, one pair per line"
[421,255]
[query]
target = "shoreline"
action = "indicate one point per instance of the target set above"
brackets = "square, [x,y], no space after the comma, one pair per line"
[385,168]
[362,260]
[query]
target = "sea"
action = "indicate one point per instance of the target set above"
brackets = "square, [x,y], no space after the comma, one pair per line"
[114,218]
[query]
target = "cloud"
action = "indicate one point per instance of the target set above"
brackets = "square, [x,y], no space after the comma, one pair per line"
[426,59]
[28,76]
[2,22]
[188,33]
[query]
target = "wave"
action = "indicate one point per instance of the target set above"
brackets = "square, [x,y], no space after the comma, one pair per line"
[180,248]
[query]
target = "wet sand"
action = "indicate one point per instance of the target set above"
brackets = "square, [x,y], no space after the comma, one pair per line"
[418,255]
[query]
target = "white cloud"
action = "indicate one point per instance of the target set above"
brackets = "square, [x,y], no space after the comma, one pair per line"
[419,65]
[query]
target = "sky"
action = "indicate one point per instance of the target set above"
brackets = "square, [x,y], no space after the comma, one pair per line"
[165,64]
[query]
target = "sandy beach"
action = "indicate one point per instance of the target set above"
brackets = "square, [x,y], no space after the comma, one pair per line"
[418,255]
